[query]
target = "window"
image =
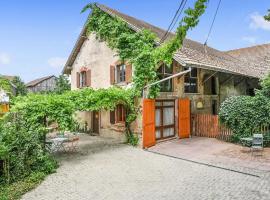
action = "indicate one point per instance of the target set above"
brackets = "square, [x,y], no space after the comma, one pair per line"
[83,79]
[120,73]
[118,115]
[165,71]
[191,81]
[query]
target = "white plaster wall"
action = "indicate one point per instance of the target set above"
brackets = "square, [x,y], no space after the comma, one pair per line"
[98,57]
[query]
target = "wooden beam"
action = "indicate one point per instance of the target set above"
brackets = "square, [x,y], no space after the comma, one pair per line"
[213,74]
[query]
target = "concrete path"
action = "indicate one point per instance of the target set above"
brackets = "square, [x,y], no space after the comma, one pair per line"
[118,171]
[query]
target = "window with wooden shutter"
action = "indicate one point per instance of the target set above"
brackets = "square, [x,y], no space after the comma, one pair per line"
[128,73]
[88,78]
[112,74]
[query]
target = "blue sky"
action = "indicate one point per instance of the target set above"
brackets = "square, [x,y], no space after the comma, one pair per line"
[37,36]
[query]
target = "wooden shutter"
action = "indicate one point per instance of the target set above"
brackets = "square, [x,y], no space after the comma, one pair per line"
[112,74]
[78,79]
[149,135]
[184,118]
[88,78]
[128,73]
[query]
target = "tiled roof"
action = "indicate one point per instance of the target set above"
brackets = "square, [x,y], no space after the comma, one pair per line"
[37,81]
[259,54]
[191,53]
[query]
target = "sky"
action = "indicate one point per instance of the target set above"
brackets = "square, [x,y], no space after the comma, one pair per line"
[37,36]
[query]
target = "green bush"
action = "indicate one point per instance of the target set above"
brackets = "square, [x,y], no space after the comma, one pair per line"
[23,150]
[245,115]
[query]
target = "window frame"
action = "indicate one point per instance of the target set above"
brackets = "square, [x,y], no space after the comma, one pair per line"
[83,79]
[190,77]
[120,73]
[163,73]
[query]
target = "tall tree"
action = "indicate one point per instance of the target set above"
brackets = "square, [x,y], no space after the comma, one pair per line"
[62,84]
[21,88]
[267,17]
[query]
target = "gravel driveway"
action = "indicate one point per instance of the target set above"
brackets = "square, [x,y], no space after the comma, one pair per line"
[118,171]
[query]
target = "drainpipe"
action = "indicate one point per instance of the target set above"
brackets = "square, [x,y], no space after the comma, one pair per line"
[165,79]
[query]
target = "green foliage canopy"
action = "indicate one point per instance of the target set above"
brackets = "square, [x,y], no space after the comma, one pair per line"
[267,17]
[5,85]
[62,84]
[20,86]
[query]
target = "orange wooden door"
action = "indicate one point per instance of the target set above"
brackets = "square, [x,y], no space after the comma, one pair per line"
[184,118]
[149,135]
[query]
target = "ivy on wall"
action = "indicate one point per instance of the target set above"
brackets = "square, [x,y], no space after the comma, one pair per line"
[140,48]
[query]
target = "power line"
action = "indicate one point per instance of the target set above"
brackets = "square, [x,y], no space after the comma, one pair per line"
[211,27]
[175,18]
[178,16]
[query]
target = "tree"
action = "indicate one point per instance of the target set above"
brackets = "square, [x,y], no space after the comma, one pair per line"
[267,17]
[5,85]
[62,84]
[20,85]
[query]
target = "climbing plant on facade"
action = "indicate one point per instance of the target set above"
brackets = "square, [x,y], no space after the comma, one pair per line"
[140,48]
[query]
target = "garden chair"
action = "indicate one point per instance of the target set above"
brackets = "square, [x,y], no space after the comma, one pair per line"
[257,143]
[71,145]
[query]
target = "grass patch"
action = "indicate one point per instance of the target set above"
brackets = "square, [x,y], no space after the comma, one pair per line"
[17,189]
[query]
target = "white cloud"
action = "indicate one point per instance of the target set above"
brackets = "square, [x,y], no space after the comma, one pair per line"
[4,58]
[249,39]
[258,22]
[57,62]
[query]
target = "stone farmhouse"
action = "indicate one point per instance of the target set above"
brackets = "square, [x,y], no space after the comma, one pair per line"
[214,76]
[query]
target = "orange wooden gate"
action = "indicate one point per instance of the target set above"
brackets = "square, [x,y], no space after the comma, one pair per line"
[149,137]
[184,118]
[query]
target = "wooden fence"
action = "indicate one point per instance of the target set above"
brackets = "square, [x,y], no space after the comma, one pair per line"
[207,125]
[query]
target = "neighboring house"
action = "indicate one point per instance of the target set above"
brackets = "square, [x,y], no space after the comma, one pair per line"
[44,84]
[215,75]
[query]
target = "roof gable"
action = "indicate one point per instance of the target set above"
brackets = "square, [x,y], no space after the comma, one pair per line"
[39,80]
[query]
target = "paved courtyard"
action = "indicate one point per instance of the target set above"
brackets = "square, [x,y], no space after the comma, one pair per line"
[218,153]
[107,170]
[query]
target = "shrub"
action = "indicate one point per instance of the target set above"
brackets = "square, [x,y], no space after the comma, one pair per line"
[245,114]
[23,150]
